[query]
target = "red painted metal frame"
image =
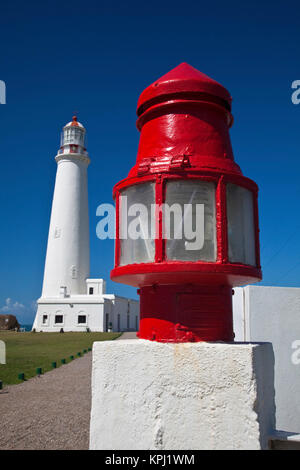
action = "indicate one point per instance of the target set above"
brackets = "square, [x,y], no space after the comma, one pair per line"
[159,199]
[184,119]
[117,243]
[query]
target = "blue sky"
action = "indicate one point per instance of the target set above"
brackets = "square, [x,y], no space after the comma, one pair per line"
[94,58]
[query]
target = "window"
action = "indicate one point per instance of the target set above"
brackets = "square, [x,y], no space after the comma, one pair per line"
[91,290]
[81,319]
[137,244]
[67,136]
[57,232]
[190,221]
[73,272]
[45,319]
[106,321]
[119,322]
[59,319]
[240,216]
[128,322]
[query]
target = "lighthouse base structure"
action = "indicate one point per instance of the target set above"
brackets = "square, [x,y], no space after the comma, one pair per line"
[185,396]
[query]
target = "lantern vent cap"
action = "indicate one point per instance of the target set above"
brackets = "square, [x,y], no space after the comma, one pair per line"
[74,123]
[183,79]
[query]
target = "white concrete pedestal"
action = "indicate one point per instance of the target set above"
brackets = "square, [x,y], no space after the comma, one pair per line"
[148,395]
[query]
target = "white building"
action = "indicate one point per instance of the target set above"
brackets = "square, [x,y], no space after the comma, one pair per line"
[272,314]
[70,300]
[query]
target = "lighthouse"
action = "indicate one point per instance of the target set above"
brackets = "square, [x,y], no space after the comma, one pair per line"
[184,384]
[68,253]
[71,300]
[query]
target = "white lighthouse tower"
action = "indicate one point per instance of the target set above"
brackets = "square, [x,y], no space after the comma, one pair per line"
[70,300]
[68,253]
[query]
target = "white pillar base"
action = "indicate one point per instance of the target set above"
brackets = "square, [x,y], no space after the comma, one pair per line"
[149,395]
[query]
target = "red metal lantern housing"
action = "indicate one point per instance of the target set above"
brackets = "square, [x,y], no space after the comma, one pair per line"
[184,159]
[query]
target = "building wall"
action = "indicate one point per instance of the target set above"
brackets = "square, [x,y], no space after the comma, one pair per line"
[273,314]
[129,311]
[101,315]
[93,313]
[98,286]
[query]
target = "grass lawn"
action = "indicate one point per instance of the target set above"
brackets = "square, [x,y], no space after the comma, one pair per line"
[27,351]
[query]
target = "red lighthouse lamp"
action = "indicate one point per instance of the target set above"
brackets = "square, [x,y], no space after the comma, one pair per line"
[187,219]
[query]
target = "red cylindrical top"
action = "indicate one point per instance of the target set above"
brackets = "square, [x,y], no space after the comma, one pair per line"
[186,113]
[184,119]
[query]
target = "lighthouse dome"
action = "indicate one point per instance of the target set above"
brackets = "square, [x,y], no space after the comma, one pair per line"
[74,123]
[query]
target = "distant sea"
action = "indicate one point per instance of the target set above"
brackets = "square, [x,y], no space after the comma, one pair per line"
[27,327]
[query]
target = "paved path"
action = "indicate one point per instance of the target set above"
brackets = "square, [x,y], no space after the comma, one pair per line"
[128,335]
[48,412]
[51,411]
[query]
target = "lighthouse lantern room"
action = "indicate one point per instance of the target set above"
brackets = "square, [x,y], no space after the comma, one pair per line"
[73,138]
[70,299]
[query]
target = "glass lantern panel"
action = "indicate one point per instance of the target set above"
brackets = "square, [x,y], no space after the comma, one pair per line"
[240,219]
[137,224]
[189,221]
